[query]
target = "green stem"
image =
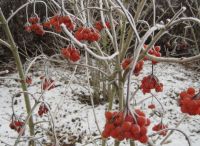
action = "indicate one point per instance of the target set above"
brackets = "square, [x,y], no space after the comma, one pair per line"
[104,142]
[132,143]
[117,143]
[111,95]
[18,62]
[121,95]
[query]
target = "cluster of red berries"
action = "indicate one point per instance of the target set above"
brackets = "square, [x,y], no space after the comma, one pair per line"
[57,20]
[87,34]
[155,52]
[99,26]
[33,25]
[151,82]
[160,126]
[71,53]
[17,126]
[47,83]
[123,127]
[42,109]
[190,102]
[139,66]
[151,106]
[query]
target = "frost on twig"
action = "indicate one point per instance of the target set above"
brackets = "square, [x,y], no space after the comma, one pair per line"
[4,72]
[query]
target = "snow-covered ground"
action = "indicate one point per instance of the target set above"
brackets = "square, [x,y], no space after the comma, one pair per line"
[74,121]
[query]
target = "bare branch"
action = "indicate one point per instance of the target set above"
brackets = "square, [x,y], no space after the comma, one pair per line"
[5,43]
[174,60]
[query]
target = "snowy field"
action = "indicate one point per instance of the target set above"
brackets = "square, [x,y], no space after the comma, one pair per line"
[73,117]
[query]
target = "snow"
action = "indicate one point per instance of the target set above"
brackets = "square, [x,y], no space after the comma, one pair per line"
[75,122]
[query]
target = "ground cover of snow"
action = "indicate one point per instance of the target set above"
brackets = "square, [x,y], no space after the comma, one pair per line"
[74,121]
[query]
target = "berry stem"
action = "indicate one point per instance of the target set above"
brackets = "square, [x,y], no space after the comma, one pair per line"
[132,143]
[152,68]
[117,143]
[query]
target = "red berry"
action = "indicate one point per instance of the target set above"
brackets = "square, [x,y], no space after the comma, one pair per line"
[108,115]
[157,48]
[18,123]
[27,28]
[141,121]
[140,113]
[125,63]
[75,56]
[114,133]
[129,118]
[105,134]
[120,137]
[109,126]
[159,87]
[12,125]
[108,25]
[118,120]
[191,91]
[135,129]
[184,94]
[98,26]
[127,134]
[126,126]
[47,24]
[143,139]
[151,106]
[34,20]
[143,130]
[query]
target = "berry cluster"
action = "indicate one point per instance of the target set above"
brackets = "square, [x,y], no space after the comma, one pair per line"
[71,53]
[42,110]
[57,20]
[160,126]
[189,102]
[17,126]
[47,84]
[33,25]
[139,66]
[151,82]
[123,127]
[99,26]
[87,34]
[155,52]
